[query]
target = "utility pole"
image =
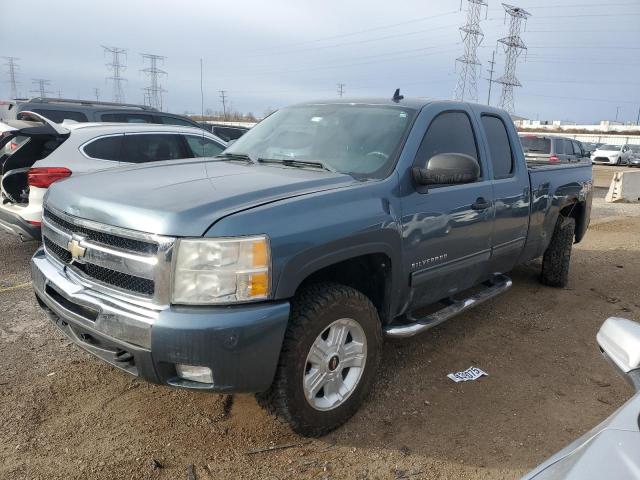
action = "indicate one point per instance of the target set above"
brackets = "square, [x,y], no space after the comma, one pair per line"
[153,93]
[492,62]
[467,84]
[41,84]
[118,55]
[223,99]
[513,46]
[341,89]
[96,93]
[638,119]
[617,112]
[12,67]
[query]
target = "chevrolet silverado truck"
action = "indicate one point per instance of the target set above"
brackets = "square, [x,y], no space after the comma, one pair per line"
[278,267]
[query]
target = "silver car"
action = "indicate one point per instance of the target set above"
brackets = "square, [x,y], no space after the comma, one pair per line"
[612,449]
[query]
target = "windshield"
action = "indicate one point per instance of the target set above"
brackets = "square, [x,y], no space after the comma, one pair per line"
[610,147]
[536,144]
[359,140]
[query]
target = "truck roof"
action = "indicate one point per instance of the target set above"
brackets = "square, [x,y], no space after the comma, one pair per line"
[411,102]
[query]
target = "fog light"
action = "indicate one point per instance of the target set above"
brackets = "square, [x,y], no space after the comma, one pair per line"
[194,373]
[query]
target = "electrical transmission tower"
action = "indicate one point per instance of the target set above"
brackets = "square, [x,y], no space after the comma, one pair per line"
[118,55]
[153,93]
[341,89]
[96,93]
[513,46]
[12,68]
[467,84]
[42,85]
[223,99]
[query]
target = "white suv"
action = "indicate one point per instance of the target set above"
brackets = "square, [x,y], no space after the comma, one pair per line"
[56,151]
[612,154]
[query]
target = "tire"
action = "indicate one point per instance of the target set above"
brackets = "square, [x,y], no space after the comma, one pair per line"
[619,161]
[557,256]
[321,310]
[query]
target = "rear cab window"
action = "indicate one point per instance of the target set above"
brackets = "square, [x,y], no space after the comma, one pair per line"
[499,146]
[533,144]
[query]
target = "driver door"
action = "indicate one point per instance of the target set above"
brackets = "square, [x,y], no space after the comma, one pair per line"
[447,229]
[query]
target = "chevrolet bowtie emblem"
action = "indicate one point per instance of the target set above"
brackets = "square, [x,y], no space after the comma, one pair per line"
[75,249]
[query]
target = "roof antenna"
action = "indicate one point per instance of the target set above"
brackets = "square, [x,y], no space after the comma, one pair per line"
[396,96]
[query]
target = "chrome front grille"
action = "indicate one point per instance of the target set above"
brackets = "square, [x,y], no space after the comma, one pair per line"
[121,262]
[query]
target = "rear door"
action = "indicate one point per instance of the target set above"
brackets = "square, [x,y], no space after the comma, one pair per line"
[446,229]
[511,192]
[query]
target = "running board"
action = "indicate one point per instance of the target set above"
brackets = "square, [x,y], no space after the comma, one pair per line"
[499,284]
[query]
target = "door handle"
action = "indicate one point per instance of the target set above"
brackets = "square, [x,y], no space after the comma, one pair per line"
[480,204]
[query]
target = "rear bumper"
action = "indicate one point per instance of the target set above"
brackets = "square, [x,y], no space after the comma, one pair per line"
[14,224]
[240,344]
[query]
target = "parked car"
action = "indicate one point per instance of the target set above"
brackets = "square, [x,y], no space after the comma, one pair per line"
[58,110]
[612,154]
[609,450]
[551,149]
[634,161]
[226,132]
[48,152]
[278,268]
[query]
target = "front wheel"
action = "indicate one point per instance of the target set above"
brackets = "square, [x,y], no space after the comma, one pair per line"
[329,358]
[619,161]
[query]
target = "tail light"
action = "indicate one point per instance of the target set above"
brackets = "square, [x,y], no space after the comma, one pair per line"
[43,177]
[554,159]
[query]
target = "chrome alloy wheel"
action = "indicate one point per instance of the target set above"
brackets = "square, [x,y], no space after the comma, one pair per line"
[335,364]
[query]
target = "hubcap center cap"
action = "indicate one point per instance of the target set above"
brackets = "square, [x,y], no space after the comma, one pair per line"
[333,363]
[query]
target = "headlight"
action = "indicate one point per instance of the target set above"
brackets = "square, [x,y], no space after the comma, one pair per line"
[221,270]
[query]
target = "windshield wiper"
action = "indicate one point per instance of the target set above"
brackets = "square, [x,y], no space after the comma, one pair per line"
[298,163]
[236,156]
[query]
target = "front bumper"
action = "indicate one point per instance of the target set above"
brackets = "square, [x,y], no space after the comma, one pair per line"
[14,224]
[240,344]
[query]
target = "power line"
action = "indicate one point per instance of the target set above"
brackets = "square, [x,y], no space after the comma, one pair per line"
[41,84]
[513,46]
[467,84]
[118,55]
[153,92]
[223,99]
[12,68]
[341,89]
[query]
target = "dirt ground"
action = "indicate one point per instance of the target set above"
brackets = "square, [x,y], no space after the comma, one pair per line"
[66,415]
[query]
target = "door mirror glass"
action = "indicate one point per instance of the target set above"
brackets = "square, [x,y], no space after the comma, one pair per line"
[448,169]
[619,340]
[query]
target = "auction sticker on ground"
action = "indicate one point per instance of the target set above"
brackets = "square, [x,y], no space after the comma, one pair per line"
[471,373]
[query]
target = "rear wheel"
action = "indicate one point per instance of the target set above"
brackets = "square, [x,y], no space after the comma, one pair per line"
[557,256]
[328,362]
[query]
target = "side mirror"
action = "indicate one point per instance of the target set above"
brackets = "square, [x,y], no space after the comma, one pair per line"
[619,340]
[447,169]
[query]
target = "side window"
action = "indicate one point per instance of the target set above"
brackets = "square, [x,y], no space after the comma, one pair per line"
[105,148]
[127,118]
[499,146]
[203,146]
[566,147]
[174,121]
[142,148]
[59,116]
[576,149]
[449,132]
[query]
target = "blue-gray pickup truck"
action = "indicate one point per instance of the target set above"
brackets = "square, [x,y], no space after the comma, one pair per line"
[278,267]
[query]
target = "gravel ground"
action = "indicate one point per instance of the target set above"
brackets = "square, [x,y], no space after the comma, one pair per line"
[67,415]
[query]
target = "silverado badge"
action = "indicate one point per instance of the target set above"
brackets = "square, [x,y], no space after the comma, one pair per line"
[75,249]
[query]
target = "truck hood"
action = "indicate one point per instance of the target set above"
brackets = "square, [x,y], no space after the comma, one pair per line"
[182,198]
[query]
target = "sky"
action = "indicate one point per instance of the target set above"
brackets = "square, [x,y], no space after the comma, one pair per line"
[582,63]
